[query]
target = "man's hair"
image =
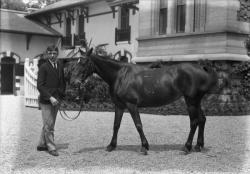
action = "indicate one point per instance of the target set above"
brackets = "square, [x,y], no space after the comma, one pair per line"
[52,48]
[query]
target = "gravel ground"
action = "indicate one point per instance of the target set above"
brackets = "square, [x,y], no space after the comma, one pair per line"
[82,143]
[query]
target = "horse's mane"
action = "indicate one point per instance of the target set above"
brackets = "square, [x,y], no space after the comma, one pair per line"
[109,58]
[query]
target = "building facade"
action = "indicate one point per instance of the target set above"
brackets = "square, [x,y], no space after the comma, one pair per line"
[20,38]
[110,23]
[142,31]
[184,30]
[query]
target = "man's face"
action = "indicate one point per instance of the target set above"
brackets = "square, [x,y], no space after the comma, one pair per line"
[52,55]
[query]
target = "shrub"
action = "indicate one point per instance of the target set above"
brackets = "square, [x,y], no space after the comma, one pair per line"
[242,70]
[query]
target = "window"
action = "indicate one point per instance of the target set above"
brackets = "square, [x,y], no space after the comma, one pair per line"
[81,25]
[79,39]
[67,40]
[68,26]
[163,17]
[181,16]
[124,22]
[123,32]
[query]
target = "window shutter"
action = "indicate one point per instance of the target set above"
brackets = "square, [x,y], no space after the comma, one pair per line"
[68,26]
[81,24]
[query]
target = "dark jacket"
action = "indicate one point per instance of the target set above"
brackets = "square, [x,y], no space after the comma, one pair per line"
[50,82]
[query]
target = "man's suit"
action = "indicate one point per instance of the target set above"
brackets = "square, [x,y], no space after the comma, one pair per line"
[50,83]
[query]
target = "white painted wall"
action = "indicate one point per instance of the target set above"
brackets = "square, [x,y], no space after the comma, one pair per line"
[101,28]
[17,43]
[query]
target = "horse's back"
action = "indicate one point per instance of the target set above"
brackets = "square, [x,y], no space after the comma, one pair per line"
[146,86]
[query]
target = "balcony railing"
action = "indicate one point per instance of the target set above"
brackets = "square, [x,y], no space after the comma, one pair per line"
[79,39]
[122,34]
[67,41]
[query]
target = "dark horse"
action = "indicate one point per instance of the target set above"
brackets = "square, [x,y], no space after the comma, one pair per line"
[132,86]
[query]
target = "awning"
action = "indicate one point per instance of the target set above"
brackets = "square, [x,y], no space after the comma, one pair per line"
[113,3]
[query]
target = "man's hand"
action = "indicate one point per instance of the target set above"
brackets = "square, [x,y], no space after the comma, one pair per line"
[54,101]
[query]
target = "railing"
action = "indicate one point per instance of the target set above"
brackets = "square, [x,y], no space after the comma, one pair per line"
[67,41]
[79,39]
[30,83]
[122,34]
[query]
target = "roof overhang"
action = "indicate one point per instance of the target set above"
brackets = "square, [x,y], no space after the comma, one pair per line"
[56,8]
[29,33]
[113,3]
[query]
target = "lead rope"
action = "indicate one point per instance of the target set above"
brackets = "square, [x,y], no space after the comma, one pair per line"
[63,113]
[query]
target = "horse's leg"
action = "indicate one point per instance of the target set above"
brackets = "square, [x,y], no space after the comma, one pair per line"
[193,111]
[200,139]
[117,122]
[138,124]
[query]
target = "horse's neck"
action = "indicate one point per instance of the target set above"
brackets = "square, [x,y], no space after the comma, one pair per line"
[107,69]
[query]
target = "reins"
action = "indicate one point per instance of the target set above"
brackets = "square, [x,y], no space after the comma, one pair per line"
[63,113]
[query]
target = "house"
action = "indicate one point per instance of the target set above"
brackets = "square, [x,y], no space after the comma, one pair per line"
[20,38]
[112,24]
[142,31]
[187,30]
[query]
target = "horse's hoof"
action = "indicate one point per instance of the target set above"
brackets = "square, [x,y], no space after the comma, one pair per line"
[144,151]
[197,148]
[186,150]
[110,148]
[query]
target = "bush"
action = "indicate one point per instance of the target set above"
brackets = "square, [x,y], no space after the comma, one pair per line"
[242,70]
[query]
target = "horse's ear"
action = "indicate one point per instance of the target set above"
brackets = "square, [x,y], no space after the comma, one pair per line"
[82,53]
[90,52]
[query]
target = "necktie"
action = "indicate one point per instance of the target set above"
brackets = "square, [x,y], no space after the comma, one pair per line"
[54,65]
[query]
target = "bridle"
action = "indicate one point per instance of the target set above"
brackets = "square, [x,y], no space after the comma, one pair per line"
[63,113]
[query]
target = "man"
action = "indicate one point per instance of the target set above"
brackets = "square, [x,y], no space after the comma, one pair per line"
[51,86]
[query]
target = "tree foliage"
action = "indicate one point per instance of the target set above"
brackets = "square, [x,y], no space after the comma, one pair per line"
[21,6]
[13,5]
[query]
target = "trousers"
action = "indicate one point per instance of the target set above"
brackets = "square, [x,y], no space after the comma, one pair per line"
[49,113]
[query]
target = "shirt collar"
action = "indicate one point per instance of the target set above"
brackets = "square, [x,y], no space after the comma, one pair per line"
[52,63]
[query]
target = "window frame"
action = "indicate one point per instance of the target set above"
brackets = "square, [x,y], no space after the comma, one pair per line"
[180,16]
[163,16]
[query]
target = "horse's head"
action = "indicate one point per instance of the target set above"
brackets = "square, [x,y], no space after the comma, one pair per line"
[83,68]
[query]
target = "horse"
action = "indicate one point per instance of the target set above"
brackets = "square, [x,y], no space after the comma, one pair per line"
[132,86]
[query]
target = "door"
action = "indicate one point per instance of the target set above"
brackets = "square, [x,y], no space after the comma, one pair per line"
[7,75]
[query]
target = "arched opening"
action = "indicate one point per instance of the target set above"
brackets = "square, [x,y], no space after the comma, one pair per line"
[123,59]
[7,75]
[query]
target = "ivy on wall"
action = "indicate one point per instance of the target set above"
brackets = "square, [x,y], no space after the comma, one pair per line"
[242,70]
[244,11]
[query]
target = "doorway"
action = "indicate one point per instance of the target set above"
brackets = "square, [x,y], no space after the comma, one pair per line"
[7,75]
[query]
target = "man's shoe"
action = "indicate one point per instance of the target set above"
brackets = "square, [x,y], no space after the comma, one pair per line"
[53,153]
[41,148]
